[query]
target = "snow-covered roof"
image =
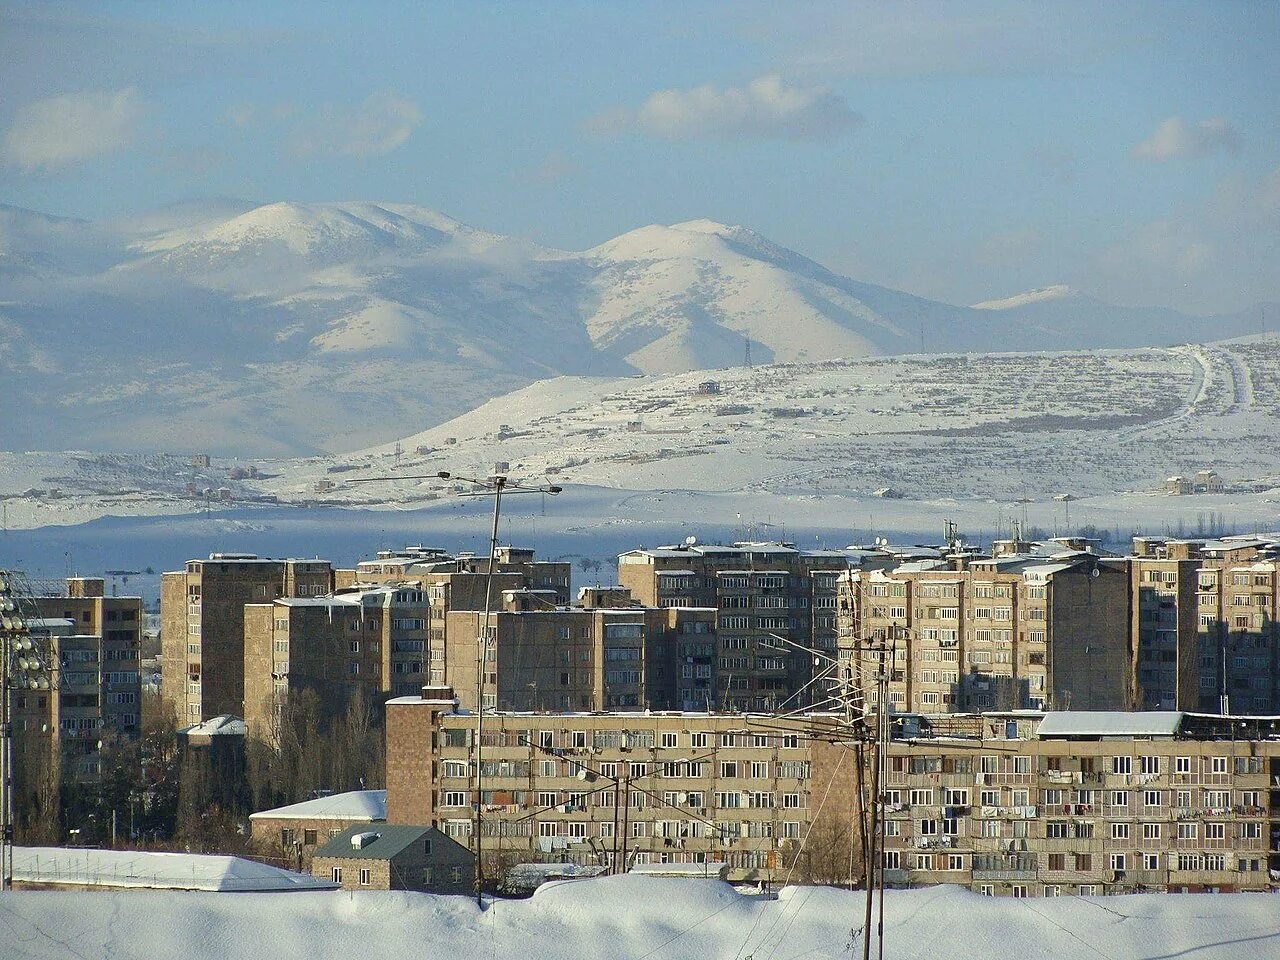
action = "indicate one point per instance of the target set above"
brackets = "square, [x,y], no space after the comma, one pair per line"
[1110,723]
[165,871]
[224,724]
[525,872]
[920,566]
[713,870]
[363,805]
[50,623]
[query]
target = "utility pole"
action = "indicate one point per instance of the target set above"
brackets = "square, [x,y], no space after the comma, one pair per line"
[495,486]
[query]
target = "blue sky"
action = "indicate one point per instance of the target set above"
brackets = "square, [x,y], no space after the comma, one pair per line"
[960,151]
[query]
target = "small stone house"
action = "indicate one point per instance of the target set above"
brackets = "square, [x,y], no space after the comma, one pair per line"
[388,856]
[294,833]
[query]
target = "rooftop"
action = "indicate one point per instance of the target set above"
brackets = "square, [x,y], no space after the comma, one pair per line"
[365,805]
[391,840]
[161,871]
[1110,723]
[225,725]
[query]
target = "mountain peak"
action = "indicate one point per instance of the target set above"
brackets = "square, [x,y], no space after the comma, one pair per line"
[1058,291]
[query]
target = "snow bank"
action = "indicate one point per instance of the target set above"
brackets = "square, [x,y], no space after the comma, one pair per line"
[637,918]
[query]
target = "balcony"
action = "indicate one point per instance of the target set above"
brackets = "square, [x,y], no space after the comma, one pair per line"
[1003,874]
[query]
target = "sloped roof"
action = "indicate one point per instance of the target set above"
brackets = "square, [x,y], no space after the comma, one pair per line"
[223,724]
[393,839]
[364,805]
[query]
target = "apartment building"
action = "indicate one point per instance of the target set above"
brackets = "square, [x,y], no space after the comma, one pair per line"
[373,640]
[605,653]
[1204,620]
[601,788]
[1033,627]
[62,727]
[202,611]
[117,622]
[1081,803]
[1015,803]
[465,574]
[459,582]
[762,591]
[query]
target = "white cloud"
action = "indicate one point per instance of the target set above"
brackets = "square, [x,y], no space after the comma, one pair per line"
[767,108]
[1176,139]
[69,128]
[371,128]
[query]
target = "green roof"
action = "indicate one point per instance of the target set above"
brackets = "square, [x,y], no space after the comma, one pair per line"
[392,840]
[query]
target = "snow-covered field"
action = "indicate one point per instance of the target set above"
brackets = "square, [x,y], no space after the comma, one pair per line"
[977,430]
[633,918]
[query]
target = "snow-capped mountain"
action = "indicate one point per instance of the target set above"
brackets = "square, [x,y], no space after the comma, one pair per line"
[287,328]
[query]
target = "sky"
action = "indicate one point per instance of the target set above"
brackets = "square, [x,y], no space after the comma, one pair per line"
[960,151]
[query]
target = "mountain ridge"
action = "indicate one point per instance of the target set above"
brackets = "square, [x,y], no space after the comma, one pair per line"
[284,328]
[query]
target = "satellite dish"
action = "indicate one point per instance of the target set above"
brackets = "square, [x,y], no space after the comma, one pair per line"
[690,541]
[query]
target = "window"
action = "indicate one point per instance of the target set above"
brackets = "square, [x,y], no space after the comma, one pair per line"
[364,876]
[670,739]
[336,874]
[1121,765]
[1182,765]
[1118,862]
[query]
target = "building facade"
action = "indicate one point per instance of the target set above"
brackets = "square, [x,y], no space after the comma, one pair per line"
[117,623]
[202,610]
[607,654]
[1017,803]
[963,632]
[762,591]
[372,640]
[1204,622]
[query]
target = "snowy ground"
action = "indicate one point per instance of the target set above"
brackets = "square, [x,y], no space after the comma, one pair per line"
[997,427]
[636,919]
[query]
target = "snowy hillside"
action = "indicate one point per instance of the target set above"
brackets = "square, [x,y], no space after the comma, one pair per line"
[293,328]
[637,919]
[937,432]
